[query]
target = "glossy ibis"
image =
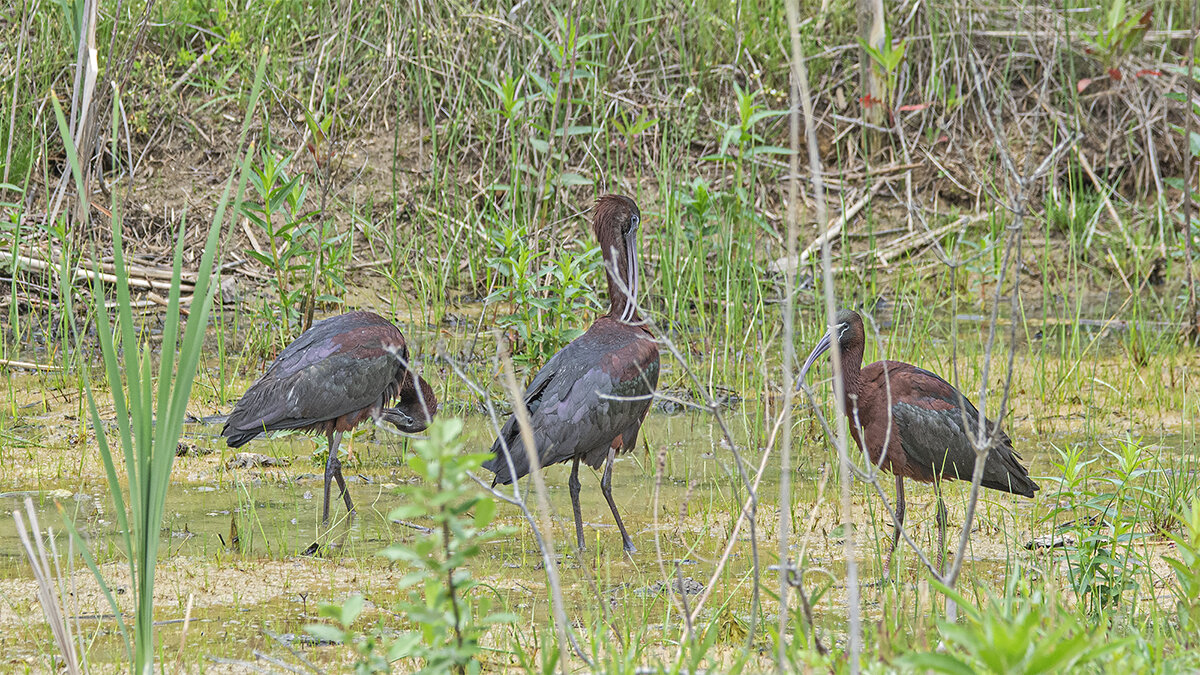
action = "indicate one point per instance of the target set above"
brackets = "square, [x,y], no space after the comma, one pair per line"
[924,433]
[339,373]
[588,402]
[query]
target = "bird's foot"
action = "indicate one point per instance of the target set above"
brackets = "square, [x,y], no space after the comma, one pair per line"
[880,582]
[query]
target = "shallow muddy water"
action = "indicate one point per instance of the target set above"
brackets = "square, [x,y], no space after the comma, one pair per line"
[681,521]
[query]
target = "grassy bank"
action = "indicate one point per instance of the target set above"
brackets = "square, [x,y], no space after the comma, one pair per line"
[436,162]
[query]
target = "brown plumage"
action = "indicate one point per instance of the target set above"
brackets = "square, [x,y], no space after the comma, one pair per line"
[588,402]
[923,427]
[342,371]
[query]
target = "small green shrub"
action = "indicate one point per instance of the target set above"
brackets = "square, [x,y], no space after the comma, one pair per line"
[449,617]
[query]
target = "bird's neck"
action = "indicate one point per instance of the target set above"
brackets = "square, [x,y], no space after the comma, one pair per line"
[852,375]
[622,285]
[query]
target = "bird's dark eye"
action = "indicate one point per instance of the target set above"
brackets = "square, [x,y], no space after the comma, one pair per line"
[633,222]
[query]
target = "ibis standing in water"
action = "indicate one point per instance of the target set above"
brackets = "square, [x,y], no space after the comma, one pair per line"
[342,371]
[588,402]
[917,432]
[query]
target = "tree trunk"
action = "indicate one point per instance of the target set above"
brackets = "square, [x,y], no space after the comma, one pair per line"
[873,98]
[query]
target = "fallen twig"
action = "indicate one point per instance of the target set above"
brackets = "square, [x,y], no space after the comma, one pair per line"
[9,363]
[834,229]
[914,240]
[80,273]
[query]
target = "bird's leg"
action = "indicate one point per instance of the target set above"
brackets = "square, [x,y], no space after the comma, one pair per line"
[337,474]
[333,470]
[330,463]
[573,484]
[606,488]
[898,526]
[941,523]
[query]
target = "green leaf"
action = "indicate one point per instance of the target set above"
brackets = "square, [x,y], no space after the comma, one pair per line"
[767,150]
[265,260]
[576,130]
[572,179]
[326,632]
[405,646]
[485,510]
[938,663]
[282,193]
[764,114]
[351,609]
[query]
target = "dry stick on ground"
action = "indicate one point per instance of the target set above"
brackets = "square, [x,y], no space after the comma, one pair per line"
[829,232]
[27,365]
[81,273]
[544,543]
[917,239]
[853,611]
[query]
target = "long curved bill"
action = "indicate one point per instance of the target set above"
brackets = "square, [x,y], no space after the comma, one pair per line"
[822,347]
[631,279]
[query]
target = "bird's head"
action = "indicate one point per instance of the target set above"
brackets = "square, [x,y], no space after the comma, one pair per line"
[416,406]
[616,223]
[847,330]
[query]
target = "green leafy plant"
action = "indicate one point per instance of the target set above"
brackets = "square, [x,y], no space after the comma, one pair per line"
[304,252]
[700,219]
[743,135]
[571,67]
[887,57]
[1186,565]
[1123,29]
[1019,632]
[1104,523]
[373,656]
[449,615]
[1073,215]
[150,407]
[630,128]
[512,103]
[547,300]
[278,214]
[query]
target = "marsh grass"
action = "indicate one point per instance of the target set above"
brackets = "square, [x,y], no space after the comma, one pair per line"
[498,123]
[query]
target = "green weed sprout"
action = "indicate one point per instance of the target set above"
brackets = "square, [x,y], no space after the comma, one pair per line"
[887,58]
[1187,571]
[449,617]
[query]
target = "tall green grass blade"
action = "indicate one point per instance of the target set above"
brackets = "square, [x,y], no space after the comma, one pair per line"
[149,431]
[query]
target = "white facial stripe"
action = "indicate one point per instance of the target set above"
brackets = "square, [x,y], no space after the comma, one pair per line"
[633,275]
[631,281]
